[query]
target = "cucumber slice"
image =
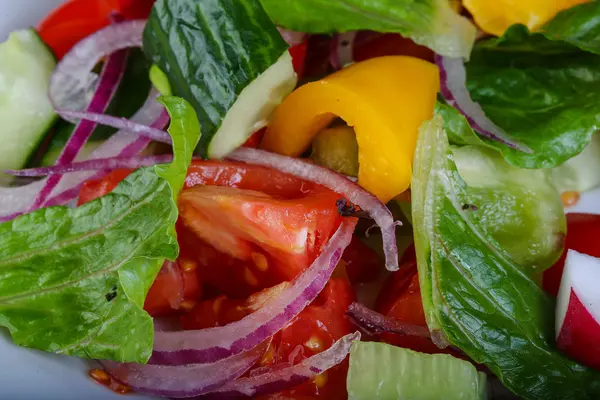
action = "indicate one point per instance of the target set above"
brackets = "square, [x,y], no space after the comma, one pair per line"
[382,371]
[580,173]
[227,59]
[26,113]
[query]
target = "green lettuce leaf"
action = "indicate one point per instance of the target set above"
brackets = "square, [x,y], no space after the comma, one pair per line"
[519,208]
[431,23]
[73,280]
[542,88]
[475,296]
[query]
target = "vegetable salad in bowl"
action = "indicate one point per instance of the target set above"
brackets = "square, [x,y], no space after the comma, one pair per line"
[306,199]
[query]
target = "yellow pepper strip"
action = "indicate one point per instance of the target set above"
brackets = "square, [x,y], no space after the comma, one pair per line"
[495,16]
[385,99]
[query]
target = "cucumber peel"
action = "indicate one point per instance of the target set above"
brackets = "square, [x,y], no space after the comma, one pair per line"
[382,371]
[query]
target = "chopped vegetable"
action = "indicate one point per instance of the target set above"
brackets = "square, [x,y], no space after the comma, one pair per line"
[384,99]
[461,265]
[582,233]
[519,208]
[431,23]
[540,90]
[578,309]
[382,371]
[580,173]
[25,111]
[497,16]
[97,261]
[247,73]
[336,148]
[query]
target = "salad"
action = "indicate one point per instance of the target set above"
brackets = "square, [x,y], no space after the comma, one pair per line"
[300,199]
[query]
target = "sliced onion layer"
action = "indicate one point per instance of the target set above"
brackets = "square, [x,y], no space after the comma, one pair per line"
[341,52]
[72,80]
[16,200]
[453,77]
[123,124]
[107,164]
[372,322]
[277,379]
[111,75]
[336,182]
[184,381]
[214,344]
[292,38]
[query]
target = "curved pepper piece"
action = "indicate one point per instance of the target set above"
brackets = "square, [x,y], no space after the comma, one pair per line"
[385,99]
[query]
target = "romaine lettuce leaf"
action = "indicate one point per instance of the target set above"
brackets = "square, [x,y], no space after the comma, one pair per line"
[431,23]
[542,88]
[475,295]
[73,280]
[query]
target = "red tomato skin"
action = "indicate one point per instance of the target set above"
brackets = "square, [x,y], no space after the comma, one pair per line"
[583,235]
[369,45]
[298,53]
[93,189]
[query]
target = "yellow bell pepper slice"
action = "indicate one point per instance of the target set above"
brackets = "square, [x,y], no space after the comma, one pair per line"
[385,99]
[495,16]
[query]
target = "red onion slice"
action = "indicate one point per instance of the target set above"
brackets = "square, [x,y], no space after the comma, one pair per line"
[453,77]
[372,322]
[184,381]
[214,344]
[110,78]
[342,50]
[336,182]
[292,38]
[107,164]
[16,200]
[71,82]
[278,379]
[119,123]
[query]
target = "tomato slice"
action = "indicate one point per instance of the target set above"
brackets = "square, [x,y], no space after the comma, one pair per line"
[95,188]
[77,19]
[583,231]
[362,263]
[257,240]
[314,330]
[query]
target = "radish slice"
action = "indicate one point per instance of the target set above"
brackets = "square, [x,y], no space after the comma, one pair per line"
[372,322]
[72,81]
[337,183]
[453,79]
[578,309]
[278,379]
[185,380]
[119,123]
[214,344]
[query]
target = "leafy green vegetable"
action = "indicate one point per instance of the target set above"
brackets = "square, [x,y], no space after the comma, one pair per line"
[383,371]
[475,295]
[431,23]
[73,281]
[211,51]
[520,208]
[543,92]
[579,26]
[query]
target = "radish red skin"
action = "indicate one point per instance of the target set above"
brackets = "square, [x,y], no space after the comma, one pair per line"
[579,336]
